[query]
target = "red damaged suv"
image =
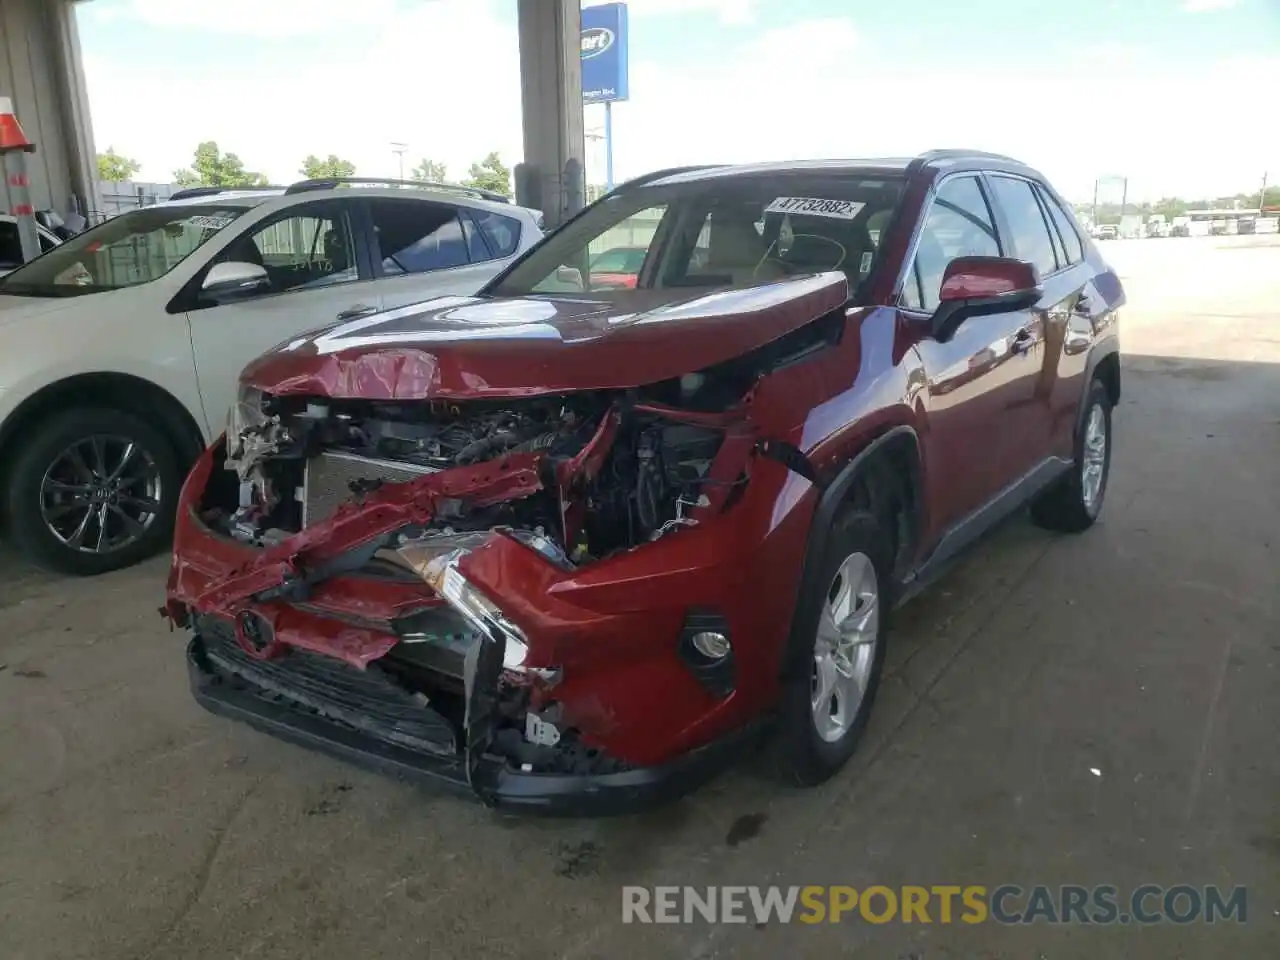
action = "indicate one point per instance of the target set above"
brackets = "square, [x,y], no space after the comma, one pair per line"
[573,546]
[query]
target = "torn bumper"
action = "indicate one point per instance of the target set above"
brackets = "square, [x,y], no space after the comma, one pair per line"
[311,716]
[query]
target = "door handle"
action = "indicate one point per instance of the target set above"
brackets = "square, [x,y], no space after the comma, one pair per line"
[1082,306]
[354,313]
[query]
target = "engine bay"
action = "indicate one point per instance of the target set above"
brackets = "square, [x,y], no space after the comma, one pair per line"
[618,468]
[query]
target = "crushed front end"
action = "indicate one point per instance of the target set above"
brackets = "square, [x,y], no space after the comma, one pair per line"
[545,600]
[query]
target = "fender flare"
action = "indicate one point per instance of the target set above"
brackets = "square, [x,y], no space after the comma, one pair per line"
[1110,347]
[834,494]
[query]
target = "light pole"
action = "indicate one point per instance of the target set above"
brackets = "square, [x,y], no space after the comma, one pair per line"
[399,150]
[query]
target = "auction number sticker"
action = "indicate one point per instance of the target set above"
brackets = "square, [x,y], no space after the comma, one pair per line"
[816,207]
[210,223]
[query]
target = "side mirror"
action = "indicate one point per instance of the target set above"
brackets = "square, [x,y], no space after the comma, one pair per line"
[226,281]
[983,286]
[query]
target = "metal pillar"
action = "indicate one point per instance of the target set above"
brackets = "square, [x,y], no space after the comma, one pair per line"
[552,176]
[14,147]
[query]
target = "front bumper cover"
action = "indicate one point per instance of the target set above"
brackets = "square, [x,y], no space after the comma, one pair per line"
[471,770]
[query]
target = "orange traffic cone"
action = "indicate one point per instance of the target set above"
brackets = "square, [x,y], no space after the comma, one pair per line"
[11,135]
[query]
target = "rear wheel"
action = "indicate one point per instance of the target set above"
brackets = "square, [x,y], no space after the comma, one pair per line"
[836,652]
[1074,502]
[92,490]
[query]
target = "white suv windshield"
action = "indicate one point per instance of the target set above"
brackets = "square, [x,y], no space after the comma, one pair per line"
[133,248]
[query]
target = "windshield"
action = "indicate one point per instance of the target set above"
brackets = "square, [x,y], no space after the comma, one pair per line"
[133,248]
[711,233]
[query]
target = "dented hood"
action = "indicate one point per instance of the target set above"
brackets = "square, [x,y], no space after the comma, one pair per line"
[471,347]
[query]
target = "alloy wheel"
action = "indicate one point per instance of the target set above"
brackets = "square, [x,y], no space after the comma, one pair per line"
[1093,470]
[844,651]
[101,494]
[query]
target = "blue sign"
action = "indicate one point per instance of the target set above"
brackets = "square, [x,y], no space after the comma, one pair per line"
[604,53]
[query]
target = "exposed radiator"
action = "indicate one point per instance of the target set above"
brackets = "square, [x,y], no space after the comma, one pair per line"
[329,477]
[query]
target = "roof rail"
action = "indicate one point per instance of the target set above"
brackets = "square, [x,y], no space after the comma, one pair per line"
[329,183]
[929,156]
[187,193]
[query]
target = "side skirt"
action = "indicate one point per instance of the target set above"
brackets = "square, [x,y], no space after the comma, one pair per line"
[971,529]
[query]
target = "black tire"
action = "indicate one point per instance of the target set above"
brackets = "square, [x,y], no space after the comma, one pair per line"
[43,444]
[1064,507]
[801,756]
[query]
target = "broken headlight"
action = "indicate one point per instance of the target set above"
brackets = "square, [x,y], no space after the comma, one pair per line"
[244,414]
[436,559]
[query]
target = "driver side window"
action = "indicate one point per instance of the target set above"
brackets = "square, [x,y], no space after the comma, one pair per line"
[313,248]
[959,224]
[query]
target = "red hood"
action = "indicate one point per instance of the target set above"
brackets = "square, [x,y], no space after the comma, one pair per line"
[468,347]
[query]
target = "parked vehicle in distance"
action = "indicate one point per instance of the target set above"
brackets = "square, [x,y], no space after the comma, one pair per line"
[617,267]
[572,547]
[1180,227]
[120,348]
[1108,231]
[11,247]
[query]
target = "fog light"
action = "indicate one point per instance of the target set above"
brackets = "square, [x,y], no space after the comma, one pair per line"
[712,645]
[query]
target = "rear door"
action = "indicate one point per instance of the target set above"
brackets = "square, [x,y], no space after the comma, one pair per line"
[1078,307]
[426,248]
[318,272]
[1036,341]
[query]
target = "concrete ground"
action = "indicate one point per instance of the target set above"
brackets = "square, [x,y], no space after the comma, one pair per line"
[1087,710]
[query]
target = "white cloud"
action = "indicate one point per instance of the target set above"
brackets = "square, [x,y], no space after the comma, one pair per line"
[416,81]
[1207,6]
[261,18]
[812,89]
[728,12]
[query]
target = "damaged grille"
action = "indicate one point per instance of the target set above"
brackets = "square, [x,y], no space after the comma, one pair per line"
[363,700]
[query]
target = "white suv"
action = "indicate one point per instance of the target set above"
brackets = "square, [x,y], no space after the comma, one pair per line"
[120,348]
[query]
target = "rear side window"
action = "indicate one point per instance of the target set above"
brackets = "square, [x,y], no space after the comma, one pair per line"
[958,224]
[1030,233]
[417,237]
[1066,229]
[503,233]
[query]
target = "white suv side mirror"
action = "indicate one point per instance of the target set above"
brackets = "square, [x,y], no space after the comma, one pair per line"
[232,279]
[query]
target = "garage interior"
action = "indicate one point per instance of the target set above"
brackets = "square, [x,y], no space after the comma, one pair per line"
[1095,710]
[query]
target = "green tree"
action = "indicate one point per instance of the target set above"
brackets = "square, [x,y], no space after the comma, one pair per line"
[113,166]
[210,167]
[430,170]
[1171,207]
[331,166]
[490,174]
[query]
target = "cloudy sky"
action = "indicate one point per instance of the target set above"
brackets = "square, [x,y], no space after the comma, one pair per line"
[1179,95]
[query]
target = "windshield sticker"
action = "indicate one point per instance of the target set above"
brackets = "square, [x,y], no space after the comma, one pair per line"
[210,222]
[816,207]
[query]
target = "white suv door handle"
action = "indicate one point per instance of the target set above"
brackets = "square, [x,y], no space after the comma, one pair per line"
[354,313]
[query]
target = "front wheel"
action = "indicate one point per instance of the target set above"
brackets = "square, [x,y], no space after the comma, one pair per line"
[836,653]
[1074,502]
[92,490]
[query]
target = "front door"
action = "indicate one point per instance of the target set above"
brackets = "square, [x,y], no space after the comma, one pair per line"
[974,377]
[315,278]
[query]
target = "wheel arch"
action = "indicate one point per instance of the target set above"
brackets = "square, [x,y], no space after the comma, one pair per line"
[120,391]
[887,474]
[1104,365]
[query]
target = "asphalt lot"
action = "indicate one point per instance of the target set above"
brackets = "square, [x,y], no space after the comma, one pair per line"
[1093,710]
